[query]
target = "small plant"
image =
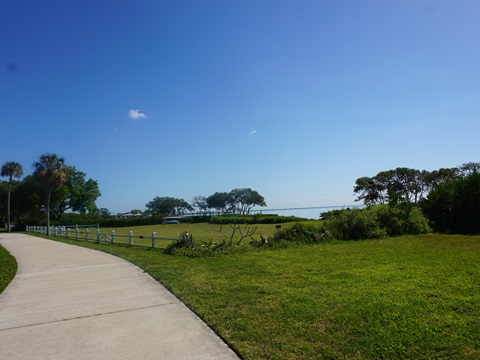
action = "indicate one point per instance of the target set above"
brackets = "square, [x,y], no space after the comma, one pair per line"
[184,241]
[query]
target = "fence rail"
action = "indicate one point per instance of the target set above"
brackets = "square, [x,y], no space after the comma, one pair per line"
[99,237]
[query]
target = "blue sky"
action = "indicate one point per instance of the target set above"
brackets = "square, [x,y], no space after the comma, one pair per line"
[295,99]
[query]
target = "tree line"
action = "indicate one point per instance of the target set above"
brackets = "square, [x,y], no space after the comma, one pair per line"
[53,189]
[56,189]
[448,197]
[237,201]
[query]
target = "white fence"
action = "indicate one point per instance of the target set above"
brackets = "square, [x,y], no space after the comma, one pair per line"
[97,236]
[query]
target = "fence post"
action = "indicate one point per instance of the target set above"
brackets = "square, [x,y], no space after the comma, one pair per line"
[86,234]
[154,239]
[130,238]
[98,235]
[113,236]
[68,233]
[76,233]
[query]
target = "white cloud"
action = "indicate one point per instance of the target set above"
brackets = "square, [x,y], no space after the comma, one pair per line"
[136,114]
[253,132]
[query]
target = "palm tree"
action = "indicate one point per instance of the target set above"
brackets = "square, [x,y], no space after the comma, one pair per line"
[11,169]
[50,172]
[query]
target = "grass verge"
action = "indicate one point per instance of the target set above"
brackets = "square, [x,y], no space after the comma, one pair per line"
[412,297]
[8,268]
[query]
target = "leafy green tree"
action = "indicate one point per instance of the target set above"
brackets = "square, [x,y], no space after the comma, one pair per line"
[454,205]
[245,199]
[29,205]
[200,203]
[369,190]
[168,206]
[50,171]
[219,201]
[402,185]
[76,194]
[104,212]
[11,169]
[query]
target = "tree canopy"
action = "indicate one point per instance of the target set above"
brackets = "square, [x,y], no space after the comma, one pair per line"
[50,173]
[76,194]
[454,205]
[168,206]
[449,197]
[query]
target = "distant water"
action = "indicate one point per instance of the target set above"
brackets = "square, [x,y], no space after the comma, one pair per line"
[308,213]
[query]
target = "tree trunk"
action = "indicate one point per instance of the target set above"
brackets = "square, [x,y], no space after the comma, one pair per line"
[8,204]
[48,213]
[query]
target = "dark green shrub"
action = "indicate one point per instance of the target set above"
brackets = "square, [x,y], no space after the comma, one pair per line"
[332,214]
[298,234]
[379,221]
[356,224]
[403,219]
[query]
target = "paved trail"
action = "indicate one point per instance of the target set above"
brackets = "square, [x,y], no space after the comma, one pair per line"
[69,302]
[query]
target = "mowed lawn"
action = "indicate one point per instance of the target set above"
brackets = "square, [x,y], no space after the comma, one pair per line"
[414,297]
[8,268]
[199,231]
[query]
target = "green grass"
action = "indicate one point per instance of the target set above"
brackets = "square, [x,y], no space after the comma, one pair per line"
[8,268]
[200,231]
[412,297]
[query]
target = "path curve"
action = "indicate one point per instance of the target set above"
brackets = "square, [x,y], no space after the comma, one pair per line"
[69,302]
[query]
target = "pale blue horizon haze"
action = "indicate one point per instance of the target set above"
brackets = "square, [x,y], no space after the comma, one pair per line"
[295,99]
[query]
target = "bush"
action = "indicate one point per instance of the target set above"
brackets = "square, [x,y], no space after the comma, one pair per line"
[356,224]
[298,234]
[186,245]
[379,221]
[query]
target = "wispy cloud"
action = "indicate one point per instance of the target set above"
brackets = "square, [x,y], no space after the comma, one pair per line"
[253,132]
[136,114]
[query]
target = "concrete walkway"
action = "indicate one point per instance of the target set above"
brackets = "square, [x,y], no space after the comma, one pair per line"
[69,302]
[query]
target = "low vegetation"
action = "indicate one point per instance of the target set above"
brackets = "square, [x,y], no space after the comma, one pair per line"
[8,268]
[415,297]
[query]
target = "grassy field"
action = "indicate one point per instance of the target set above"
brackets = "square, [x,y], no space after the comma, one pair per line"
[200,231]
[401,298]
[8,268]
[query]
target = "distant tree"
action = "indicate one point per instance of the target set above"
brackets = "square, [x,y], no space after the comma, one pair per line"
[245,199]
[76,194]
[11,169]
[50,173]
[219,201]
[369,191]
[402,185]
[200,202]
[104,212]
[136,211]
[468,169]
[168,206]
